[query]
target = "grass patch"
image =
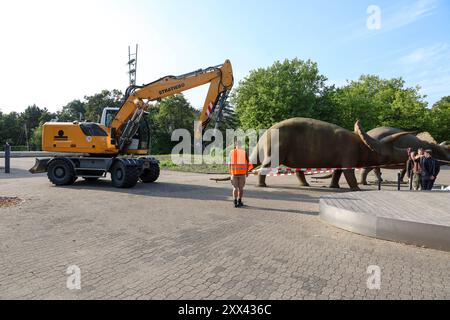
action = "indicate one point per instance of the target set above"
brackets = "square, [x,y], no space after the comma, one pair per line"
[167,164]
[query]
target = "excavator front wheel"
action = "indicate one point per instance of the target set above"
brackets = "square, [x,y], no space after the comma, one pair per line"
[61,172]
[123,176]
[151,174]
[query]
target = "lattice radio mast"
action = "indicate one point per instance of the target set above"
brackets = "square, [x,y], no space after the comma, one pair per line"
[132,65]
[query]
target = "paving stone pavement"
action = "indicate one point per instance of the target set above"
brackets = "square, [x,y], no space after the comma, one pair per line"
[181,239]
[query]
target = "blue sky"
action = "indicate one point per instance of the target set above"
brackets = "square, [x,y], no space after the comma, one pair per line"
[56,51]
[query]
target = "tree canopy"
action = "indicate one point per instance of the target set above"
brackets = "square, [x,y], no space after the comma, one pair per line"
[95,104]
[292,88]
[74,110]
[17,128]
[439,120]
[379,102]
[174,112]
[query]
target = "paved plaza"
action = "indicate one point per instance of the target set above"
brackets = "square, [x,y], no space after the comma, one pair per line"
[181,238]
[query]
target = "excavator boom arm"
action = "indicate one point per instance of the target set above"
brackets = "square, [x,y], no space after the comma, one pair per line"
[219,77]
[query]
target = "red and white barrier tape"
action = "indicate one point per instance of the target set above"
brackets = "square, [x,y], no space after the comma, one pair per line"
[277,172]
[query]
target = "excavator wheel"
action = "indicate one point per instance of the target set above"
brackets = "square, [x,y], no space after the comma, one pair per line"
[61,172]
[151,174]
[123,176]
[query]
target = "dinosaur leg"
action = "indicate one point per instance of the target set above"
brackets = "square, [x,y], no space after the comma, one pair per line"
[262,177]
[302,179]
[402,174]
[364,174]
[351,180]
[377,172]
[261,180]
[335,179]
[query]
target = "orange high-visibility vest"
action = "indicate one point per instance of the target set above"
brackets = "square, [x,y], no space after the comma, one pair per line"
[239,164]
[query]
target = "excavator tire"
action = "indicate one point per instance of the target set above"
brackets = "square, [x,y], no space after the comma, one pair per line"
[151,174]
[123,176]
[61,172]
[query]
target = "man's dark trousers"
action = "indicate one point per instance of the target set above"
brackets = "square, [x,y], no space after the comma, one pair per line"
[427,183]
[430,168]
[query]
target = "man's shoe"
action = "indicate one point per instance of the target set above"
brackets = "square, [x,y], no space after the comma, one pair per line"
[236,204]
[240,203]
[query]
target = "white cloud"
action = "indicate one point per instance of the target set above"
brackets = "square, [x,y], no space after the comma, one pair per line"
[394,17]
[427,54]
[429,67]
[409,14]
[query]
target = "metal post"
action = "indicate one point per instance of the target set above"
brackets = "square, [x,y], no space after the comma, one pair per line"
[26,136]
[399,178]
[7,158]
[379,182]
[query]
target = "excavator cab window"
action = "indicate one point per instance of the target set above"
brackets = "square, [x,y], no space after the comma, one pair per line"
[144,135]
[109,118]
[108,115]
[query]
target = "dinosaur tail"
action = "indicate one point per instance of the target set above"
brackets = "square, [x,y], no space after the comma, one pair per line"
[328,176]
[254,158]
[220,179]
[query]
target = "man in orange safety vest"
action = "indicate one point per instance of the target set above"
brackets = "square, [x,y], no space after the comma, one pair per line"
[239,167]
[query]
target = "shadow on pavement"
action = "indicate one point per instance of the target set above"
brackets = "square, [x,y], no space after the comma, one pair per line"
[18,174]
[304,212]
[189,191]
[313,188]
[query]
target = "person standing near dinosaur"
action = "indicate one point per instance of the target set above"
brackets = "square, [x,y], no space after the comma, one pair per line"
[430,170]
[415,168]
[239,167]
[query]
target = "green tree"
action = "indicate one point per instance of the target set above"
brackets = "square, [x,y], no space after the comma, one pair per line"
[292,88]
[74,110]
[30,118]
[154,129]
[11,129]
[172,113]
[95,104]
[440,119]
[407,111]
[379,102]
[229,119]
[36,139]
[47,116]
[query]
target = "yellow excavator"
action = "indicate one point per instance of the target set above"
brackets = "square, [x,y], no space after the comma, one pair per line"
[119,145]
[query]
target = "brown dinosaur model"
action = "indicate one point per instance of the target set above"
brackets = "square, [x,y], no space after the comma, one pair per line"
[309,143]
[422,140]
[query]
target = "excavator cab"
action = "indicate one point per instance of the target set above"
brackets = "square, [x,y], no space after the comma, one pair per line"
[140,141]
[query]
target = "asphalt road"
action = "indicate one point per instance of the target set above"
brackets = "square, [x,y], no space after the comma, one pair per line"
[181,238]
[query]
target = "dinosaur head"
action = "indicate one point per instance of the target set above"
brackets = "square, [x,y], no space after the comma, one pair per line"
[445,148]
[384,148]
